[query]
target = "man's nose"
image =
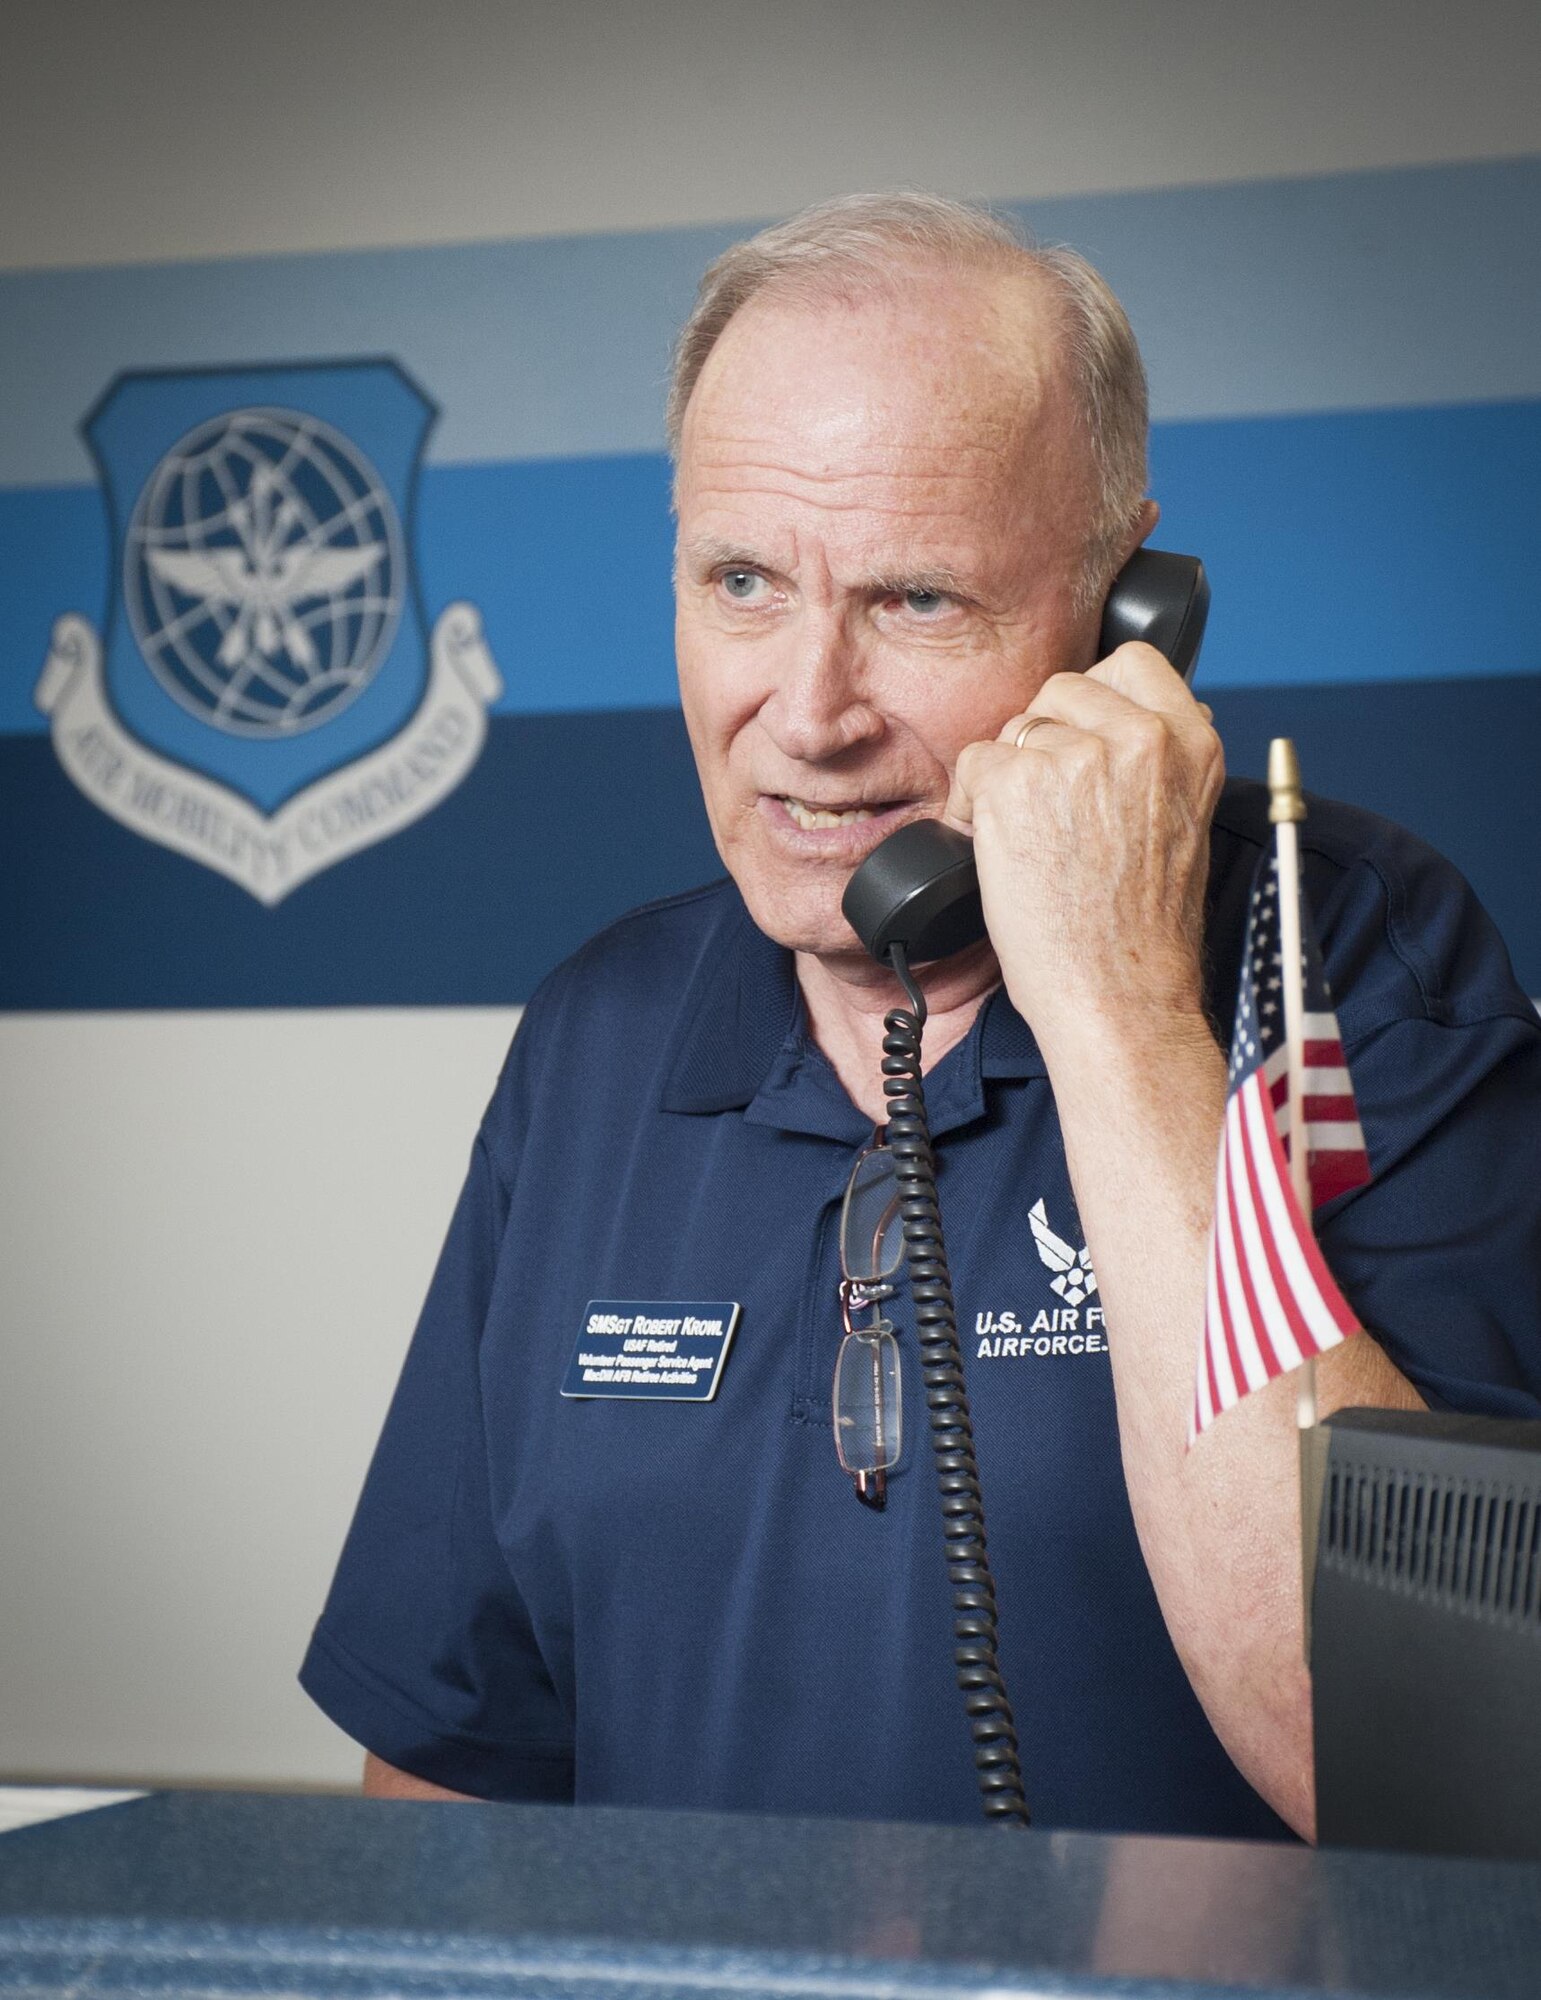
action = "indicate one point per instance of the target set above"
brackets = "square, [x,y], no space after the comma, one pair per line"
[819,705]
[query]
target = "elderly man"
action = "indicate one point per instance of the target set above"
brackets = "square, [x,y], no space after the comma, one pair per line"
[910,461]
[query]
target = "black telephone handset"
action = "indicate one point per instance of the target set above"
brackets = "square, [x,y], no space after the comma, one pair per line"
[919,888]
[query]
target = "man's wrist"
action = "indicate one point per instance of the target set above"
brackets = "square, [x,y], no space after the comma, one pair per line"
[1105,1040]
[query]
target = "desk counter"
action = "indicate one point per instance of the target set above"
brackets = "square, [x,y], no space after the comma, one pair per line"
[235,1897]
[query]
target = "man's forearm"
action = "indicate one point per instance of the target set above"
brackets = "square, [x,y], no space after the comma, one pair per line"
[1141,1110]
[384,1781]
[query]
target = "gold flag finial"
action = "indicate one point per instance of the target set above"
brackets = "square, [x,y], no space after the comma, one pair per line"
[1284,797]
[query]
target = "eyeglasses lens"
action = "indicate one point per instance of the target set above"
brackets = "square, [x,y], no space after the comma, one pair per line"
[871,1228]
[867,1401]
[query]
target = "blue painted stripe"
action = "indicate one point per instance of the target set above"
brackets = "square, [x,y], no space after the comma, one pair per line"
[572,566]
[53,558]
[1359,546]
[1366,290]
[1363,546]
[568,820]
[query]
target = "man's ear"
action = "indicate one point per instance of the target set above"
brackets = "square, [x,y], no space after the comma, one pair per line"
[1144,526]
[1143,529]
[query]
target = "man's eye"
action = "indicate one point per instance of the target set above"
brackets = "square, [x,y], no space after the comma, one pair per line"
[741,583]
[925,603]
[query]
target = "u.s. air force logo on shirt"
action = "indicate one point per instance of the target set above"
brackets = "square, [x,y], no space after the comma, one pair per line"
[1042,1332]
[264,695]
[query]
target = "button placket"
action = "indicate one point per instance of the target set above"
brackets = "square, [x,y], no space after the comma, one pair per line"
[818,1326]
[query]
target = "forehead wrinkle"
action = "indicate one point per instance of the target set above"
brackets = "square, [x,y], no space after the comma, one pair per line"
[924,460]
[941,488]
[941,500]
[727,498]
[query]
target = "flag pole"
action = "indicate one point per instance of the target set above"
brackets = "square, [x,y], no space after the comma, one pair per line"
[1286,809]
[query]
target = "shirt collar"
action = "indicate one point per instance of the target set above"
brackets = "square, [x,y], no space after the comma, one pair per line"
[740,1022]
[737,1011]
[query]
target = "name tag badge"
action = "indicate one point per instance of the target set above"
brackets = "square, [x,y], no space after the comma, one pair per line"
[651,1351]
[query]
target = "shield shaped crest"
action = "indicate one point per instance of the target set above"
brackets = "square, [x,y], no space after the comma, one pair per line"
[265,625]
[265,696]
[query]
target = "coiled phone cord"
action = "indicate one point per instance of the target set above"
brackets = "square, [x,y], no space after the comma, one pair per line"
[996,1761]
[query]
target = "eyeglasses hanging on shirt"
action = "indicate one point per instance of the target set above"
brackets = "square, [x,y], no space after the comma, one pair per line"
[867,1391]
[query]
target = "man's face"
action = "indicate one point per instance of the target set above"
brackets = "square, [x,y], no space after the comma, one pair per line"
[882,511]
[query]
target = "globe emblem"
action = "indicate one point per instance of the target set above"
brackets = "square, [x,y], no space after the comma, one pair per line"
[263,572]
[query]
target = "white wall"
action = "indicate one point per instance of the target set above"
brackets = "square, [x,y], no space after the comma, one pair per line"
[171,128]
[215,1230]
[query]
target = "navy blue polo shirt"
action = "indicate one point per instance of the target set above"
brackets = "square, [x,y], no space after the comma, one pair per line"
[674,1603]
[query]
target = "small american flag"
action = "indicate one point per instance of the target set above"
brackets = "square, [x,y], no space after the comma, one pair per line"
[1272,1302]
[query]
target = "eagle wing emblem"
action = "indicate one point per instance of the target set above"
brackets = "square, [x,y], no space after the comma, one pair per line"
[1073,1276]
[1054,1250]
[312,572]
[264,592]
[218,576]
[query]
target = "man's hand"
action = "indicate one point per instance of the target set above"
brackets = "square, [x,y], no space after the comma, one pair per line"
[1092,841]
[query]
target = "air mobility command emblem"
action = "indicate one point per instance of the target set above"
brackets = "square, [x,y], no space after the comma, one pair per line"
[264,695]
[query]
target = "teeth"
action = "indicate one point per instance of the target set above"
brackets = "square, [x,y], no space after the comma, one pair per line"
[808,818]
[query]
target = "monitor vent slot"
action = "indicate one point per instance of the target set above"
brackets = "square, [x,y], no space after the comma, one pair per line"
[1472,1545]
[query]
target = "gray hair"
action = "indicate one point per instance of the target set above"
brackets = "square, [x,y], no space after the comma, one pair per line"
[851,246]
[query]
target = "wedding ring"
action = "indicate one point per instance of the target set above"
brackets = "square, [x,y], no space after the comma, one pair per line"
[1033,722]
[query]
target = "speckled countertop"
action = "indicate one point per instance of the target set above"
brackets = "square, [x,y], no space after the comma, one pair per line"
[226,1894]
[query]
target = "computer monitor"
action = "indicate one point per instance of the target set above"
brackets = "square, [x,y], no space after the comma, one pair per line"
[1422,1540]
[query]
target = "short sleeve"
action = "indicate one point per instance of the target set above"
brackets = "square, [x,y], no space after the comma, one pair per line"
[1440,1255]
[424,1652]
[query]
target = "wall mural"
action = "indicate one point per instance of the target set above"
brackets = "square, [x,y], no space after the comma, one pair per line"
[334,590]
